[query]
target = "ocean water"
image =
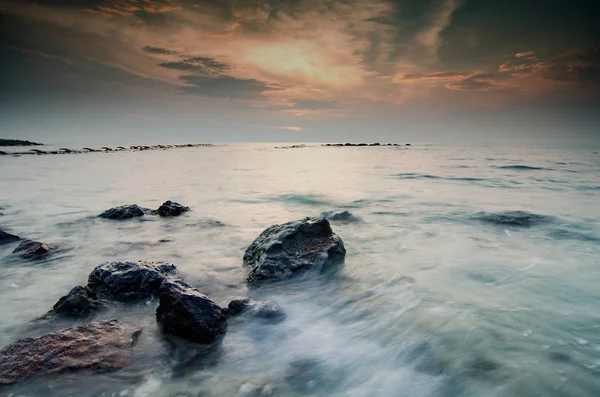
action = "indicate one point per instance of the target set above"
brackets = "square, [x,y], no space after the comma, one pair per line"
[441,294]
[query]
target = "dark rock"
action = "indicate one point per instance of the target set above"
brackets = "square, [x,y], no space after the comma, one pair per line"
[171,208]
[342,217]
[514,218]
[31,249]
[130,280]
[6,238]
[186,312]
[98,347]
[79,302]
[261,309]
[124,212]
[282,251]
[18,142]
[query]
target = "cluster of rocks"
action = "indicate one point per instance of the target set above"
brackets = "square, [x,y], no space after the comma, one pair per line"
[365,144]
[104,149]
[279,253]
[26,248]
[168,208]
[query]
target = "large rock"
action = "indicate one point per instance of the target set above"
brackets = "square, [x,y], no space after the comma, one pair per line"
[32,249]
[124,212]
[98,347]
[171,208]
[6,238]
[79,302]
[282,251]
[261,309]
[186,312]
[130,280]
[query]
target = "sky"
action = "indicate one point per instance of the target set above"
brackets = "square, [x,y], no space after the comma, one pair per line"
[300,70]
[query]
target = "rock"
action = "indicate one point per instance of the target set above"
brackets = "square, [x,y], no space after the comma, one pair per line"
[261,309]
[170,208]
[342,217]
[130,280]
[124,212]
[6,238]
[18,142]
[31,249]
[186,312]
[283,251]
[514,218]
[79,302]
[98,347]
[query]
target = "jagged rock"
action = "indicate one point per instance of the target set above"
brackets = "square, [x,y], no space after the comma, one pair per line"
[341,217]
[262,309]
[186,312]
[6,238]
[79,302]
[98,347]
[31,249]
[171,208]
[124,212]
[283,251]
[130,280]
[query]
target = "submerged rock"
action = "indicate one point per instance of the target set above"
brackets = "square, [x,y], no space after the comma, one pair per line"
[186,312]
[261,309]
[171,208]
[130,280]
[6,237]
[124,212]
[79,302]
[282,251]
[32,249]
[514,218]
[342,217]
[98,347]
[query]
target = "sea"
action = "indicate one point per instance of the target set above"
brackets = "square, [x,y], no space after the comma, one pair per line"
[471,271]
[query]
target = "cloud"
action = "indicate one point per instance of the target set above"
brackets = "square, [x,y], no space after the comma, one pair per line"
[290,128]
[525,54]
[226,87]
[200,65]
[129,8]
[475,83]
[158,50]
[430,76]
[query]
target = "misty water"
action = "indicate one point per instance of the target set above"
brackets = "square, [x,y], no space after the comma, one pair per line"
[440,294]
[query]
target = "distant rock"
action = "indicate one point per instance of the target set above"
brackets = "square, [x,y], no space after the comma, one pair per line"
[283,251]
[18,142]
[186,312]
[171,208]
[6,237]
[99,347]
[513,218]
[79,302]
[130,280]
[341,217]
[260,309]
[32,249]
[124,212]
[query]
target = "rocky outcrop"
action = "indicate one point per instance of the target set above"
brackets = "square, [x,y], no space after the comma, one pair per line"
[79,302]
[6,237]
[341,217]
[126,281]
[186,312]
[261,309]
[283,251]
[124,212]
[171,208]
[32,249]
[97,347]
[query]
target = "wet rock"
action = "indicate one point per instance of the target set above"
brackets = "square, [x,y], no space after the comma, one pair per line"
[32,249]
[186,312]
[124,212]
[171,208]
[261,309]
[97,347]
[283,251]
[514,218]
[6,238]
[341,217]
[79,302]
[130,280]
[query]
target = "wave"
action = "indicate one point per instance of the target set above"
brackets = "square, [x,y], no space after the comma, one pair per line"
[428,176]
[306,199]
[513,218]
[563,234]
[521,167]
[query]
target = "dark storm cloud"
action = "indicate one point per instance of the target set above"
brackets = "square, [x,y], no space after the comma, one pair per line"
[581,67]
[158,50]
[226,87]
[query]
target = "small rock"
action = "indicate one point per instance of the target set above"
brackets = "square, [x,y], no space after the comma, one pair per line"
[171,208]
[341,217]
[283,251]
[99,347]
[124,212]
[31,249]
[261,309]
[6,238]
[186,312]
[80,301]
[130,280]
